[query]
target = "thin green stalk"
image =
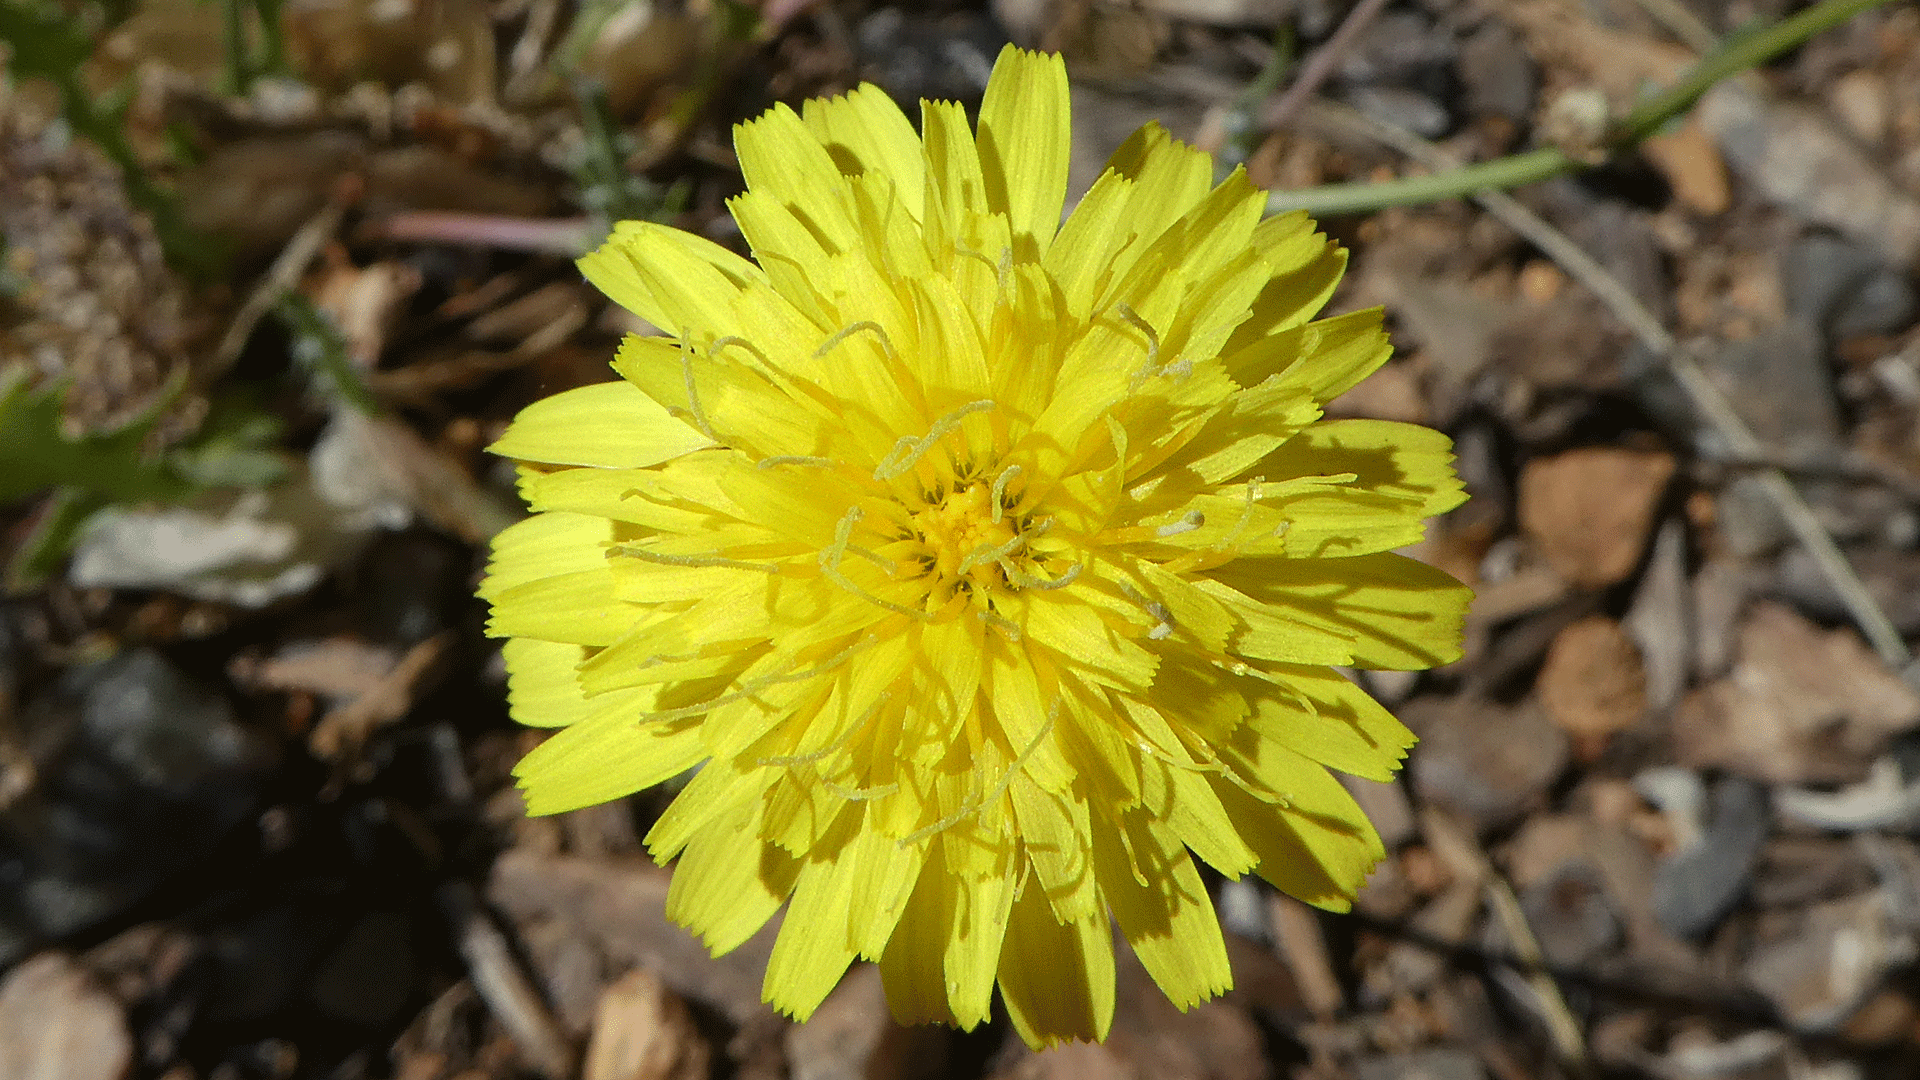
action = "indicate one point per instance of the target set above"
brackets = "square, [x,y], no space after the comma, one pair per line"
[1737,55]
[1496,175]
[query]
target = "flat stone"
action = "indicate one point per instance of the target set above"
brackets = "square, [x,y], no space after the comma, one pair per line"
[1794,157]
[57,1024]
[1780,384]
[1491,762]
[619,906]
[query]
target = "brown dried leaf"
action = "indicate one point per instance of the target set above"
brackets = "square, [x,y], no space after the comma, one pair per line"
[1801,705]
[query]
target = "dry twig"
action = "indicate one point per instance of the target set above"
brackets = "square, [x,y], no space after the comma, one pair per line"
[1319,67]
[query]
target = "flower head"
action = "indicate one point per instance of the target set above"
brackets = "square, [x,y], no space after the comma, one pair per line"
[986,566]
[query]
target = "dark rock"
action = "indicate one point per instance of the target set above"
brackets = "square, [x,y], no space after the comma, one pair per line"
[914,55]
[1695,887]
[1403,108]
[1401,48]
[1780,384]
[368,976]
[1500,78]
[260,963]
[141,771]
[412,585]
[1846,289]
[1570,913]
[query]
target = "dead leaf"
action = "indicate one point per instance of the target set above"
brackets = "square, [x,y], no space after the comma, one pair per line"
[1801,705]
[389,698]
[365,302]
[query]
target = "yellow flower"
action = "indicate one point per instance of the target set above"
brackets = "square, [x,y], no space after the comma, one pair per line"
[983,565]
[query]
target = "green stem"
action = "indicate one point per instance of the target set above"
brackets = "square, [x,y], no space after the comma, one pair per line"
[1737,55]
[1496,175]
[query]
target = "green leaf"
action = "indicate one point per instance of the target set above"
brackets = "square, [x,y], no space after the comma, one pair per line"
[36,454]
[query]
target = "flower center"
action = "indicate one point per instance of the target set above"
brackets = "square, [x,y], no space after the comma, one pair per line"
[963,541]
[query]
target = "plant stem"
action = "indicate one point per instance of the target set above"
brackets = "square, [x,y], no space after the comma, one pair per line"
[1737,55]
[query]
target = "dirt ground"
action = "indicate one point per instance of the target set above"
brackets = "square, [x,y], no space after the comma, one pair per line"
[274,276]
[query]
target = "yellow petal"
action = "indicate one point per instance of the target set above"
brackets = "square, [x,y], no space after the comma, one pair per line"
[543,682]
[544,546]
[940,963]
[780,157]
[1057,979]
[612,425]
[814,946]
[1162,907]
[1320,860]
[607,756]
[1318,714]
[1025,141]
[578,608]
[957,213]
[864,131]
[1390,611]
[913,968]
[1168,177]
[727,884]
[1305,268]
[1057,834]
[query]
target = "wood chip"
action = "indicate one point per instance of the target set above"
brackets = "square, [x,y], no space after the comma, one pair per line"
[1692,166]
[642,1031]
[1592,684]
[1590,510]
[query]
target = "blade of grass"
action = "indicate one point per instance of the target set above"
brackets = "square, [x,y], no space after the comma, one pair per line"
[1733,57]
